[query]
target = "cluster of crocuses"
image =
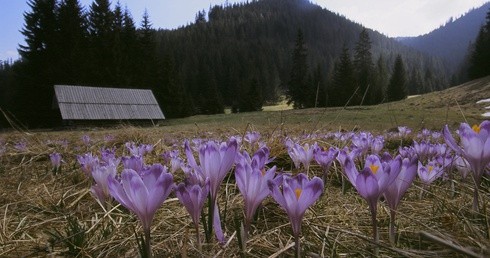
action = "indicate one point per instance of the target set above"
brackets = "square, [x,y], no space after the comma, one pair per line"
[143,188]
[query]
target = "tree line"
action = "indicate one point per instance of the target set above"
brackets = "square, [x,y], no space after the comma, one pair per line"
[239,56]
[354,81]
[101,46]
[479,57]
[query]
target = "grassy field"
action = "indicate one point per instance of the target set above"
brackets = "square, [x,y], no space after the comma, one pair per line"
[46,214]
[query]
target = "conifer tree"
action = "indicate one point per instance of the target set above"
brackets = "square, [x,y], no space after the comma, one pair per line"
[35,85]
[117,46]
[147,64]
[252,98]
[363,65]
[480,56]
[130,46]
[343,82]
[299,73]
[100,20]
[72,40]
[397,88]
[380,81]
[173,96]
[210,101]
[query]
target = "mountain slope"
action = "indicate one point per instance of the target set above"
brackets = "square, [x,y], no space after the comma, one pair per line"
[242,42]
[465,95]
[452,40]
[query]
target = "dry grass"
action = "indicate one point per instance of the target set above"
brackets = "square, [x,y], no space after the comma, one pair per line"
[44,214]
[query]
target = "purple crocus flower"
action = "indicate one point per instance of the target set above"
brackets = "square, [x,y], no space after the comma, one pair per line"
[377,144]
[138,150]
[142,194]
[462,165]
[397,189]
[302,155]
[297,195]
[100,189]
[372,181]
[193,197]
[88,162]
[362,141]
[135,163]
[430,172]
[404,131]
[108,157]
[252,137]
[325,158]
[215,162]
[251,178]
[55,161]
[475,148]
[21,146]
[86,139]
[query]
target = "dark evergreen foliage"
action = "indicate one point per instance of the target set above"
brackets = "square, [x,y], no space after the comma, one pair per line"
[364,70]
[480,56]
[298,87]
[343,81]
[397,89]
[233,50]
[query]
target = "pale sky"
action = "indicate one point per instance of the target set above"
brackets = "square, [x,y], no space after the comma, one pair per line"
[390,17]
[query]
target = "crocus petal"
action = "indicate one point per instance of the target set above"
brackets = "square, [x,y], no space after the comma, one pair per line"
[159,193]
[137,193]
[367,186]
[350,170]
[217,225]
[116,190]
[310,193]
[190,157]
[450,140]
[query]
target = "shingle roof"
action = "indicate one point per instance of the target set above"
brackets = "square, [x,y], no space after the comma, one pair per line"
[93,103]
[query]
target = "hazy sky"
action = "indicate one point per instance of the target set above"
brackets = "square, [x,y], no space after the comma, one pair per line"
[390,17]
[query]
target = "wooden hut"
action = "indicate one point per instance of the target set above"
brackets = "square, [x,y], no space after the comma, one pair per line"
[81,103]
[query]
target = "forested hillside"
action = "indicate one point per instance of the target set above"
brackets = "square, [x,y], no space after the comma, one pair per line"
[452,40]
[239,55]
[243,43]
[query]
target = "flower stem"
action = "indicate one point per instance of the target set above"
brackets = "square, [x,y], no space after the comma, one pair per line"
[297,246]
[475,195]
[373,207]
[147,243]
[211,208]
[392,227]
[198,237]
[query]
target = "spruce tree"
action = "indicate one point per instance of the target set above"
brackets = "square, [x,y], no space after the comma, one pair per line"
[381,80]
[480,56]
[147,63]
[37,72]
[72,43]
[117,46]
[343,82]
[397,88]
[130,51]
[363,65]
[100,20]
[299,73]
[251,99]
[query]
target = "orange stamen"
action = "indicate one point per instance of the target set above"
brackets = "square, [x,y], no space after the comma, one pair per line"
[476,128]
[297,191]
[374,168]
[431,168]
[263,172]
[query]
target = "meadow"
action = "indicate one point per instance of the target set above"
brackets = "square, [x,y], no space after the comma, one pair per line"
[53,213]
